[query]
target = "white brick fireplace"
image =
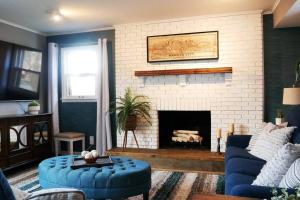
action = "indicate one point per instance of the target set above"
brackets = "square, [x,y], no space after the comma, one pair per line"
[235,97]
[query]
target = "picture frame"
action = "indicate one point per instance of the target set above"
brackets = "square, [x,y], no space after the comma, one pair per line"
[183,47]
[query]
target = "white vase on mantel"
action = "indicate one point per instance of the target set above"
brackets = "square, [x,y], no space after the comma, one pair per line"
[279,121]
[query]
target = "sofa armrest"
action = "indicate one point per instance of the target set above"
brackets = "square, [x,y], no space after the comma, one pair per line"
[241,141]
[57,194]
[255,191]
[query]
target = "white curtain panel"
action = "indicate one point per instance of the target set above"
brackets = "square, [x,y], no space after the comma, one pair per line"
[53,85]
[103,132]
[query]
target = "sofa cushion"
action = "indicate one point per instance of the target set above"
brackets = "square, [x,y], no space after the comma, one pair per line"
[235,152]
[274,170]
[292,178]
[244,166]
[236,179]
[268,144]
[265,128]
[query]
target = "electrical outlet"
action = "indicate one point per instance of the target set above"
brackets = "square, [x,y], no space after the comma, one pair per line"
[92,140]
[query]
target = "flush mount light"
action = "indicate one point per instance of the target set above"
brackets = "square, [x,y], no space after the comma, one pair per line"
[54,15]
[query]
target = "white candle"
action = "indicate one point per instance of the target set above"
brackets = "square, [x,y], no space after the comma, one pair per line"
[219,132]
[225,136]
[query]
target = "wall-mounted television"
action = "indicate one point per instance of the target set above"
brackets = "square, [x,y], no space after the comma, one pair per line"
[20,72]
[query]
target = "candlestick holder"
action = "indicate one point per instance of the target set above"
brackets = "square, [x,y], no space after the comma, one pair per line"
[219,146]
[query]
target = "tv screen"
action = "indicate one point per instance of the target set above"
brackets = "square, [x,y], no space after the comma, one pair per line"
[20,70]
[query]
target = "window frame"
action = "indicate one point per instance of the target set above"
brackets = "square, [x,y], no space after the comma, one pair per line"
[17,68]
[64,77]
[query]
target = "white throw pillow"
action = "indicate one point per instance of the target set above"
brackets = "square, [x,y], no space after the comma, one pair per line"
[268,144]
[274,170]
[256,133]
[292,178]
[265,128]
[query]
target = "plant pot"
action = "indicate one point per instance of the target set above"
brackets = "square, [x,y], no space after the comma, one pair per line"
[131,123]
[279,121]
[34,110]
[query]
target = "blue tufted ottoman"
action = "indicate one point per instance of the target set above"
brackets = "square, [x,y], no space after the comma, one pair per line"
[126,178]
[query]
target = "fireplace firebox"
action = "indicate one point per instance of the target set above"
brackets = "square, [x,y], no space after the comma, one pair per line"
[184,129]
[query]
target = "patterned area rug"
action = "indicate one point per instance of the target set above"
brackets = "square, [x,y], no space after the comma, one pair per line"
[165,184]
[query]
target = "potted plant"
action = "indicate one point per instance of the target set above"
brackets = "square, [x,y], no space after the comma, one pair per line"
[130,109]
[279,117]
[284,195]
[34,108]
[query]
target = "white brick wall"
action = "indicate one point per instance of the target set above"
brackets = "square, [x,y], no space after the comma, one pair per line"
[231,98]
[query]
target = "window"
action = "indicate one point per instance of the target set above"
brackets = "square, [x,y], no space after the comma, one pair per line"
[80,72]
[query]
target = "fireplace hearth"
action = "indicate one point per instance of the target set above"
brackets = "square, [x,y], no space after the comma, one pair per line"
[184,129]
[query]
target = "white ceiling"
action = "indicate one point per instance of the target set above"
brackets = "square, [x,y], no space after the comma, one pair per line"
[83,15]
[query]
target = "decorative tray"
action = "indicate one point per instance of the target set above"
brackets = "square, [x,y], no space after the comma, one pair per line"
[100,162]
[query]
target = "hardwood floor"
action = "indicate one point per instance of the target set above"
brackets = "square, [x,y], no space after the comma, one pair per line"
[176,159]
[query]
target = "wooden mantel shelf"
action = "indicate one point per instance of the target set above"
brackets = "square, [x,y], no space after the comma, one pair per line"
[184,71]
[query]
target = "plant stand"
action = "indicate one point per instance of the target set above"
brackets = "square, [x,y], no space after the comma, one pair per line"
[125,139]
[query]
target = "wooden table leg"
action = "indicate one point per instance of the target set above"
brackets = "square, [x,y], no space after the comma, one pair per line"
[125,140]
[135,139]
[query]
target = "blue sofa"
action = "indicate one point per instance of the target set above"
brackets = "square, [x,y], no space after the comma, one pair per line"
[241,168]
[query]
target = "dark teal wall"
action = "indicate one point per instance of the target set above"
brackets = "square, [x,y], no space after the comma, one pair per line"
[281,52]
[81,116]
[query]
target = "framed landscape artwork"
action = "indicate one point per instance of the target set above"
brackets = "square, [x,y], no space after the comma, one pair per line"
[180,47]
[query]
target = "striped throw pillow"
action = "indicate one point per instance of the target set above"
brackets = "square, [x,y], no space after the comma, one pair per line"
[268,144]
[292,177]
[274,170]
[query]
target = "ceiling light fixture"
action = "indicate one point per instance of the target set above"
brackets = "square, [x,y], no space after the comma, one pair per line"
[55,15]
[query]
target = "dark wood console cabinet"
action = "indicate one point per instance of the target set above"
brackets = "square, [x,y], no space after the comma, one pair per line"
[24,139]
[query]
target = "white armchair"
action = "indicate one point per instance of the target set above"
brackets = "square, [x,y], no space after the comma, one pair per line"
[50,194]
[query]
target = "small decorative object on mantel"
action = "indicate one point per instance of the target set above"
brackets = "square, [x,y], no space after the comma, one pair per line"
[279,117]
[231,129]
[34,108]
[185,46]
[130,109]
[219,135]
[225,136]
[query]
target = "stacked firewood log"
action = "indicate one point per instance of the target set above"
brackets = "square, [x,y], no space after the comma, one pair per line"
[186,136]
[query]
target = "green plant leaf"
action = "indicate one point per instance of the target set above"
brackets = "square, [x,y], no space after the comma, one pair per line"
[131,105]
